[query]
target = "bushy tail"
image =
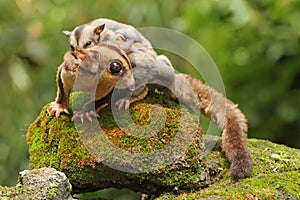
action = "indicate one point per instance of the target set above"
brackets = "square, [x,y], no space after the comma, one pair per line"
[225,114]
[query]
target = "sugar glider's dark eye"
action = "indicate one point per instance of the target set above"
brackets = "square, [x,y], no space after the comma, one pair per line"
[88,43]
[72,48]
[115,67]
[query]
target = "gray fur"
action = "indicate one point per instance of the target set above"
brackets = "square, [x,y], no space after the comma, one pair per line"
[148,66]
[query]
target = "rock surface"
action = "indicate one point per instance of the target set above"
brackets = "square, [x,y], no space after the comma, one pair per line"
[200,172]
[161,151]
[276,175]
[39,184]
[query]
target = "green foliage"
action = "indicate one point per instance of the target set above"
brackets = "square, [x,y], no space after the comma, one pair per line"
[254,43]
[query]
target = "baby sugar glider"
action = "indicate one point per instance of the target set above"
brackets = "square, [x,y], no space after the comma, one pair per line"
[87,35]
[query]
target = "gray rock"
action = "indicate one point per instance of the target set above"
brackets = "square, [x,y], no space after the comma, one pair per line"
[46,183]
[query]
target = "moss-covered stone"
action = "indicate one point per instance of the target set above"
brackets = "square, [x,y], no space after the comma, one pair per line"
[276,175]
[13,193]
[79,151]
[43,183]
[91,164]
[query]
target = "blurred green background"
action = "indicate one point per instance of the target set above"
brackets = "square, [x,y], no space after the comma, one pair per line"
[255,44]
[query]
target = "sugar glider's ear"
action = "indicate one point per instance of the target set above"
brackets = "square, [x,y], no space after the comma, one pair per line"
[99,29]
[67,33]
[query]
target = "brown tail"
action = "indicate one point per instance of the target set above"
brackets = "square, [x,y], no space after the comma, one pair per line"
[225,114]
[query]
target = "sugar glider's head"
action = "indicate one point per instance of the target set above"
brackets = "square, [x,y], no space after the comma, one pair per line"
[84,36]
[109,63]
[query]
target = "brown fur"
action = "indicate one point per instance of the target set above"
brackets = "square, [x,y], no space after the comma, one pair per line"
[150,67]
[87,74]
[225,114]
[65,82]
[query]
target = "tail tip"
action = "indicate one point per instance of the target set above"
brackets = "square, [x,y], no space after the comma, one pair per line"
[241,168]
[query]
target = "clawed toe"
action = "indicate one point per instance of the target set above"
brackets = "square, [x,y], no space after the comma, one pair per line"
[82,115]
[123,104]
[55,109]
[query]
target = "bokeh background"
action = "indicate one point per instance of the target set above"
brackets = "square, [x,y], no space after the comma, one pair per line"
[255,44]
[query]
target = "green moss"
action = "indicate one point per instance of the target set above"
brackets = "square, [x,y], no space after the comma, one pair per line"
[142,134]
[54,142]
[52,192]
[265,186]
[7,193]
[275,176]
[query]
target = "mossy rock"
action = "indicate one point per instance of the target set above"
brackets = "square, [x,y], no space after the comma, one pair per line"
[13,193]
[43,183]
[101,155]
[194,175]
[276,175]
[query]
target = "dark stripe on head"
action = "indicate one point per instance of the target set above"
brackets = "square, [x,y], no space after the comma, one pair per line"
[119,51]
[78,33]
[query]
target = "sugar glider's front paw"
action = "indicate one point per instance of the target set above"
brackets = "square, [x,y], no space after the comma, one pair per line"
[123,104]
[55,109]
[84,115]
